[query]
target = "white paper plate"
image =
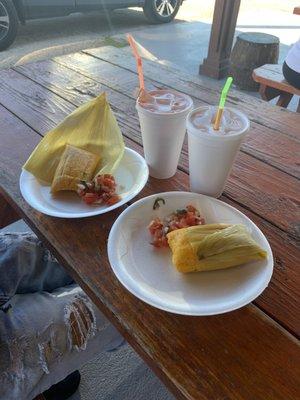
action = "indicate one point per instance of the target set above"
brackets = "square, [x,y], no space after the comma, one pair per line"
[131,176]
[149,274]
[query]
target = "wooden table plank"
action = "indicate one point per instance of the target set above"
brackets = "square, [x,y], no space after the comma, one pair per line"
[208,90]
[261,143]
[274,197]
[280,300]
[239,355]
[8,155]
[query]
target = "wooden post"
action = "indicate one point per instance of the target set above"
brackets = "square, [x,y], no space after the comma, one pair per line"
[216,65]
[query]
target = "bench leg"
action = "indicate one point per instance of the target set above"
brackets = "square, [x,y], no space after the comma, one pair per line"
[268,93]
[284,99]
[7,214]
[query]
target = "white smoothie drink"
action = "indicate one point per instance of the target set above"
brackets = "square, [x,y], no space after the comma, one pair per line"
[212,152]
[163,124]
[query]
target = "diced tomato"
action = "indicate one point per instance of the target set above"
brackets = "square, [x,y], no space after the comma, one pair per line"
[113,200]
[101,190]
[160,242]
[182,223]
[107,181]
[191,219]
[155,225]
[156,229]
[191,208]
[90,198]
[174,225]
[182,218]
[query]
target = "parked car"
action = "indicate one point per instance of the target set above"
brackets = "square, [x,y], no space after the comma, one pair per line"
[13,12]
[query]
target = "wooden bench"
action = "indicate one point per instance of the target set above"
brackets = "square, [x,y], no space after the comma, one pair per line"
[273,84]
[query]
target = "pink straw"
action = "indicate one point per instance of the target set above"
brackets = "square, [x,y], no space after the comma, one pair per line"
[132,43]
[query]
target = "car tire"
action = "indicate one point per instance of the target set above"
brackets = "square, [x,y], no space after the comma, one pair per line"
[9,23]
[161,11]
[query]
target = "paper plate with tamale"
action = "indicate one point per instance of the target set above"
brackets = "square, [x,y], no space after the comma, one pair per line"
[105,193]
[189,254]
[81,167]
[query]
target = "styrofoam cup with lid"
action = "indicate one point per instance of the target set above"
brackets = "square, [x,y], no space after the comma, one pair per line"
[163,130]
[212,153]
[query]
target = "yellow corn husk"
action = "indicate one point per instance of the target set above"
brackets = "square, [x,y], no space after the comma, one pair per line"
[213,246]
[91,127]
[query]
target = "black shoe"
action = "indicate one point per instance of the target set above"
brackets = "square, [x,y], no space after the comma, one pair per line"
[63,389]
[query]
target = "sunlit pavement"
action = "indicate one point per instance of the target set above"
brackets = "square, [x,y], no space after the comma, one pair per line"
[185,44]
[181,43]
[43,39]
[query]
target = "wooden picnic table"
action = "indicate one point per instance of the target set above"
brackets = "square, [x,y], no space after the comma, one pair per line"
[248,354]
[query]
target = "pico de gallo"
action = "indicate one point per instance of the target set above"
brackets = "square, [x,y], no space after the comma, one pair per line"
[102,190]
[182,218]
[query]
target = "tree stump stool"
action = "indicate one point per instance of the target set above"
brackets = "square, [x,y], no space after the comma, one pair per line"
[251,50]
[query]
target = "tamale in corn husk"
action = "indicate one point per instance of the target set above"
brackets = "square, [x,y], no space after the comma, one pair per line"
[74,166]
[213,246]
[91,127]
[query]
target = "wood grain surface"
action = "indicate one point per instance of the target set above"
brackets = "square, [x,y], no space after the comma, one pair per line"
[280,300]
[239,355]
[69,84]
[264,196]
[267,200]
[227,356]
[207,90]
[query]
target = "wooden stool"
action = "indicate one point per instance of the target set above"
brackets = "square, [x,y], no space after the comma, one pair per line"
[251,50]
[273,84]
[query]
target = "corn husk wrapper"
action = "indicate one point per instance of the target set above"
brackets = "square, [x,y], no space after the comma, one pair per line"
[92,127]
[213,246]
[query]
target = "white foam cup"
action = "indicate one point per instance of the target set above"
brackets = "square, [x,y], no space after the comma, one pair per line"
[212,154]
[163,134]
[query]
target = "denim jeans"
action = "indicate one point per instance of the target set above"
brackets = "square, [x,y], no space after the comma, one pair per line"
[48,325]
[26,266]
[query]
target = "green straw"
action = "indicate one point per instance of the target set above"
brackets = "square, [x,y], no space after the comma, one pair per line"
[217,121]
[225,91]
